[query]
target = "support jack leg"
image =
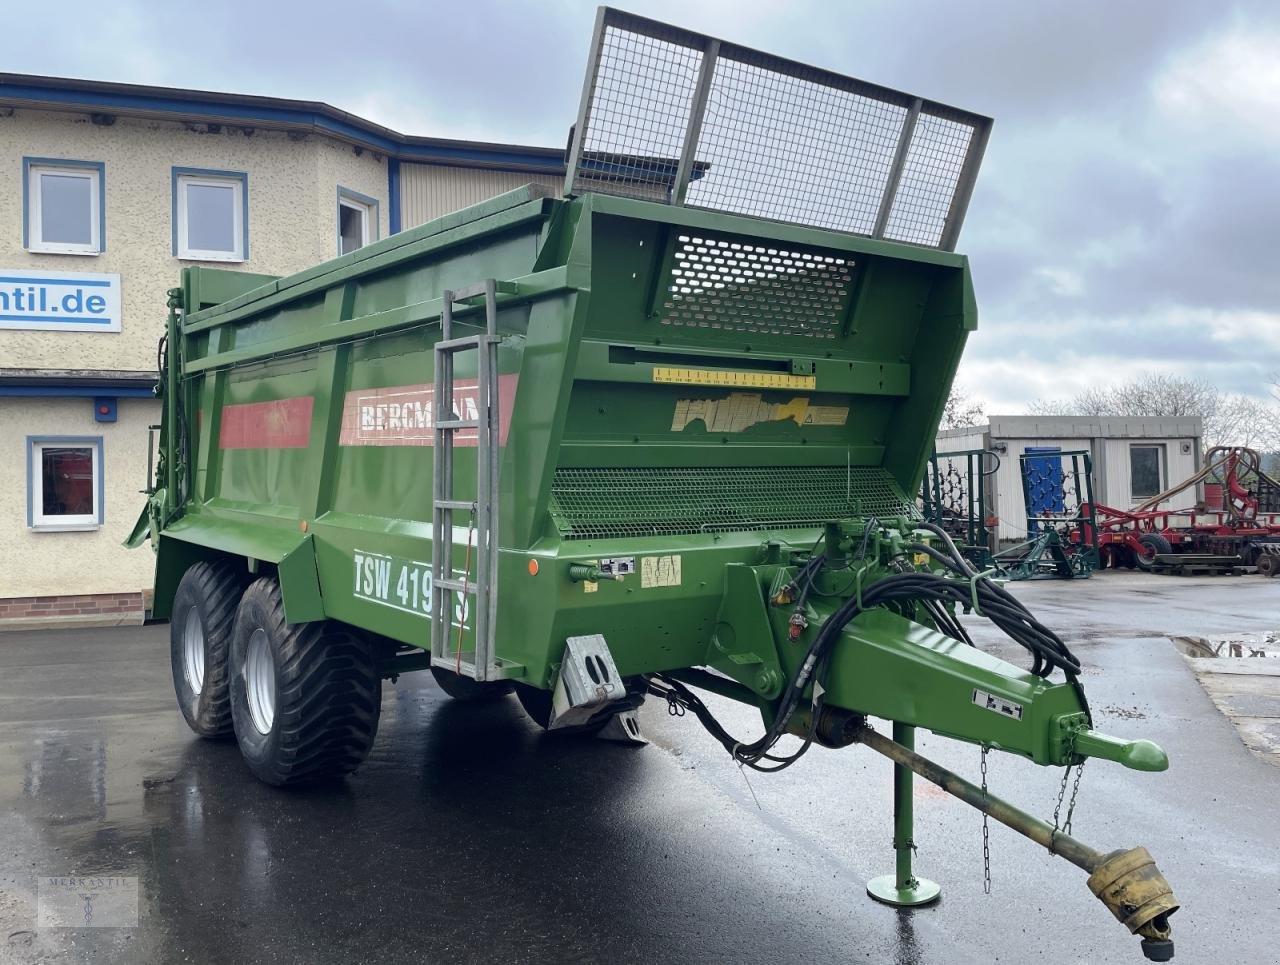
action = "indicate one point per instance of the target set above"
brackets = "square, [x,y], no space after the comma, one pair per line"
[903,888]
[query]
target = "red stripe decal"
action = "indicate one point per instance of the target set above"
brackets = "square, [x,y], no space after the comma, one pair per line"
[403,415]
[282,424]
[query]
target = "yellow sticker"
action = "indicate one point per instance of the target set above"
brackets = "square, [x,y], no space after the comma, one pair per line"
[659,571]
[733,379]
[590,586]
[741,410]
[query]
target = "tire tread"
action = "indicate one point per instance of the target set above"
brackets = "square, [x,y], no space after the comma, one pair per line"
[217,587]
[328,696]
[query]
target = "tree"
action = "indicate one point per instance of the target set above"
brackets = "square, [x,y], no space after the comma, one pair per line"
[1229,420]
[961,410]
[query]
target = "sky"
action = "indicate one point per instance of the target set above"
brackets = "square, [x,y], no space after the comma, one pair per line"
[1125,218]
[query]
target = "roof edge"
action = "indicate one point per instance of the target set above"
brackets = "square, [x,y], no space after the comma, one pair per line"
[41,92]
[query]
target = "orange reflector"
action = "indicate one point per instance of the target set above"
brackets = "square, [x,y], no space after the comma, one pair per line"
[533,567]
[303,525]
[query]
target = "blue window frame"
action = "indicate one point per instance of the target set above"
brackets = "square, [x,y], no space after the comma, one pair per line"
[357,220]
[64,482]
[210,214]
[64,206]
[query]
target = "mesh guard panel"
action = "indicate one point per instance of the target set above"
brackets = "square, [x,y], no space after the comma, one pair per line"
[621,502]
[678,117]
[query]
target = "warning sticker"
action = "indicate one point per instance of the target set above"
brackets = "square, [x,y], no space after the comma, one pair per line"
[741,410]
[999,705]
[659,571]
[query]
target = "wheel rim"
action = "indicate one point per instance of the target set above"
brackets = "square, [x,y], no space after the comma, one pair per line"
[260,682]
[193,651]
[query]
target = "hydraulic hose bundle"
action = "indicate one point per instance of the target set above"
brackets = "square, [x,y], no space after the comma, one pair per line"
[905,588]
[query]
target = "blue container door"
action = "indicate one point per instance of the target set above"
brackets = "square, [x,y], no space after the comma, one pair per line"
[1042,485]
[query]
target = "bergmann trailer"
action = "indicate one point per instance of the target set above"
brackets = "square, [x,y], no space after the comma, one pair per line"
[656,436]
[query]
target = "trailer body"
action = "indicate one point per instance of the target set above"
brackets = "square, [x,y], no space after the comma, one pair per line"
[663,432]
[307,412]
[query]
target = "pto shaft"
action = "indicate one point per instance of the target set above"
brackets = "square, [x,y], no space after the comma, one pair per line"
[1127,882]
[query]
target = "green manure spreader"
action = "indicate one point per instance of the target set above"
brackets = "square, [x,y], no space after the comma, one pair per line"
[652,436]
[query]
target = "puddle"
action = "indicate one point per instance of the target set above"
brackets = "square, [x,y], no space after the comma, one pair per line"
[1256,645]
[1241,675]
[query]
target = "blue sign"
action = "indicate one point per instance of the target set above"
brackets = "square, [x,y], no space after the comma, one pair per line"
[61,301]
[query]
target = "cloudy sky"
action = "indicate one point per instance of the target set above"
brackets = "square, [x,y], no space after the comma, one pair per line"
[1126,216]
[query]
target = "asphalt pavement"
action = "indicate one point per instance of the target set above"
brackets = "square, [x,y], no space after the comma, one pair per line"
[470,836]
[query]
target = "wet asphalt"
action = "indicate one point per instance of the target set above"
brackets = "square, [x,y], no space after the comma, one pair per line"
[470,836]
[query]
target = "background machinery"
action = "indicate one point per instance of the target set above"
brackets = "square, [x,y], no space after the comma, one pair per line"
[953,496]
[1057,491]
[653,437]
[1236,524]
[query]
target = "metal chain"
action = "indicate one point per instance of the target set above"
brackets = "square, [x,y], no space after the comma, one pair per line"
[1062,792]
[1071,805]
[1058,825]
[986,831]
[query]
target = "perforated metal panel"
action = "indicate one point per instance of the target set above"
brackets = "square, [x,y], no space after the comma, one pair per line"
[617,502]
[676,116]
[718,282]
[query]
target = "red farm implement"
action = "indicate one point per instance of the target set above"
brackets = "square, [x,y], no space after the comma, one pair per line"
[1236,523]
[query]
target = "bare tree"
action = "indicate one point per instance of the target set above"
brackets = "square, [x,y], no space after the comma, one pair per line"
[962,410]
[1237,420]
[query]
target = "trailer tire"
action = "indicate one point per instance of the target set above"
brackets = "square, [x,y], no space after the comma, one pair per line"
[464,688]
[1157,545]
[305,697]
[536,703]
[200,629]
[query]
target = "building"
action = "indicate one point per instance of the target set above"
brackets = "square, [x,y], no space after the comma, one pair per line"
[1133,459]
[106,192]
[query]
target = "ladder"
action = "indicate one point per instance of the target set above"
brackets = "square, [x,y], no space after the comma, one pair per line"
[452,591]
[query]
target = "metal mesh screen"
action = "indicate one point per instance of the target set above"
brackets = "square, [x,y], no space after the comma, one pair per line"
[791,149]
[675,116]
[721,283]
[930,175]
[641,104]
[619,502]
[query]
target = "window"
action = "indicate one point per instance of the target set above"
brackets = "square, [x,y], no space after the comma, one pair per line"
[63,210]
[1146,471]
[210,215]
[357,220]
[64,483]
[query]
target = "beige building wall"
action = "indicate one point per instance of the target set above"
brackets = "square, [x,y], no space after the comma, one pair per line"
[293,224]
[50,563]
[292,216]
[338,165]
[429,191]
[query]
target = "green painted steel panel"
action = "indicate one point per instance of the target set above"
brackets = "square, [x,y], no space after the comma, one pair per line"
[690,423]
